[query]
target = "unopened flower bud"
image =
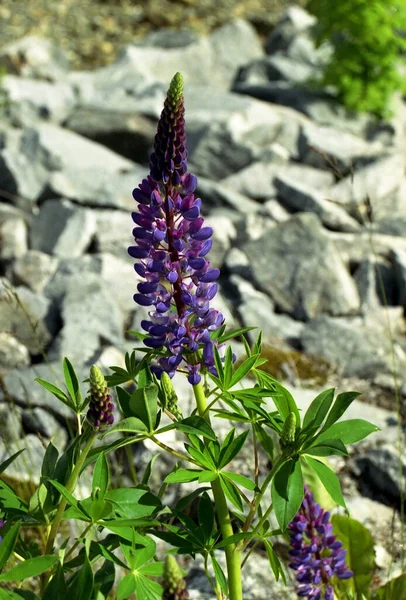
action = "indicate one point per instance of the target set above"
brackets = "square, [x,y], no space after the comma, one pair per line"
[174,585]
[101,407]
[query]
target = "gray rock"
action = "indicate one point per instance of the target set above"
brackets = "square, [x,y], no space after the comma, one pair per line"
[253,227]
[34,57]
[10,419]
[26,315]
[21,386]
[257,181]
[27,466]
[276,211]
[299,196]
[13,354]
[328,148]
[39,421]
[355,247]
[300,269]
[23,177]
[33,269]
[224,236]
[218,55]
[13,237]
[91,317]
[62,229]
[127,133]
[237,263]
[27,101]
[366,279]
[375,181]
[277,67]
[215,195]
[257,309]
[349,345]
[113,231]
[216,152]
[295,20]
[378,468]
[399,269]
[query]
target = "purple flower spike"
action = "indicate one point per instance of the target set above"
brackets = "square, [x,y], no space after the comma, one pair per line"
[101,407]
[316,555]
[170,243]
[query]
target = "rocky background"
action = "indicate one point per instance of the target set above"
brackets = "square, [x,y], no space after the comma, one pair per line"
[309,212]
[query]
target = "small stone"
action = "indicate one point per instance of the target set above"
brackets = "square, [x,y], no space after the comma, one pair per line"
[34,269]
[13,354]
[13,237]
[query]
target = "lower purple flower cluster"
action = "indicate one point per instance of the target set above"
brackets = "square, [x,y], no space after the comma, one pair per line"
[172,243]
[316,554]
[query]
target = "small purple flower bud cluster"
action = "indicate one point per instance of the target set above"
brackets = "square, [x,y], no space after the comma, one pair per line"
[100,413]
[171,245]
[316,554]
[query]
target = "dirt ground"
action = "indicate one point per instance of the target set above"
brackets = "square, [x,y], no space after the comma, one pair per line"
[92,32]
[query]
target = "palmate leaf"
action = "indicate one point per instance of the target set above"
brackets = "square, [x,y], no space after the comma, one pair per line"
[318,410]
[231,450]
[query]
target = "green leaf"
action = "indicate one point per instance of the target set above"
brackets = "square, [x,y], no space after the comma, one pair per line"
[234,539]
[393,590]
[274,561]
[327,448]
[232,450]
[207,476]
[219,366]
[232,493]
[56,392]
[124,401]
[196,425]
[56,588]
[104,578]
[65,493]
[30,568]
[318,490]
[328,478]
[318,409]
[145,588]
[101,476]
[359,543]
[8,543]
[148,470]
[144,405]
[126,586]
[243,369]
[72,383]
[205,514]
[228,367]
[183,476]
[233,334]
[342,402]
[50,459]
[154,569]
[133,502]
[265,440]
[219,575]
[128,425]
[287,492]
[203,459]
[10,459]
[82,586]
[348,432]
[281,397]
[240,480]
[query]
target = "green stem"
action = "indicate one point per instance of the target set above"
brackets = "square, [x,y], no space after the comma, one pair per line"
[233,555]
[70,486]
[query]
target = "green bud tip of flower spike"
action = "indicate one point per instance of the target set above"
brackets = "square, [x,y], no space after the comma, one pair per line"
[289,429]
[97,381]
[175,91]
[171,398]
[173,578]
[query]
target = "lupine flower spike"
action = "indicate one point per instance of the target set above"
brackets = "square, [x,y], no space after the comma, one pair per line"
[100,413]
[317,556]
[171,245]
[173,583]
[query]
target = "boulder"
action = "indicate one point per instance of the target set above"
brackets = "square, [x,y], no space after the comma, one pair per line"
[26,315]
[299,268]
[13,354]
[298,196]
[62,229]
[350,345]
[126,133]
[35,57]
[379,469]
[28,101]
[33,269]
[294,21]
[13,237]
[399,269]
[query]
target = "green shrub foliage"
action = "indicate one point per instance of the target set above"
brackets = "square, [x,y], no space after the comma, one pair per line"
[368,38]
